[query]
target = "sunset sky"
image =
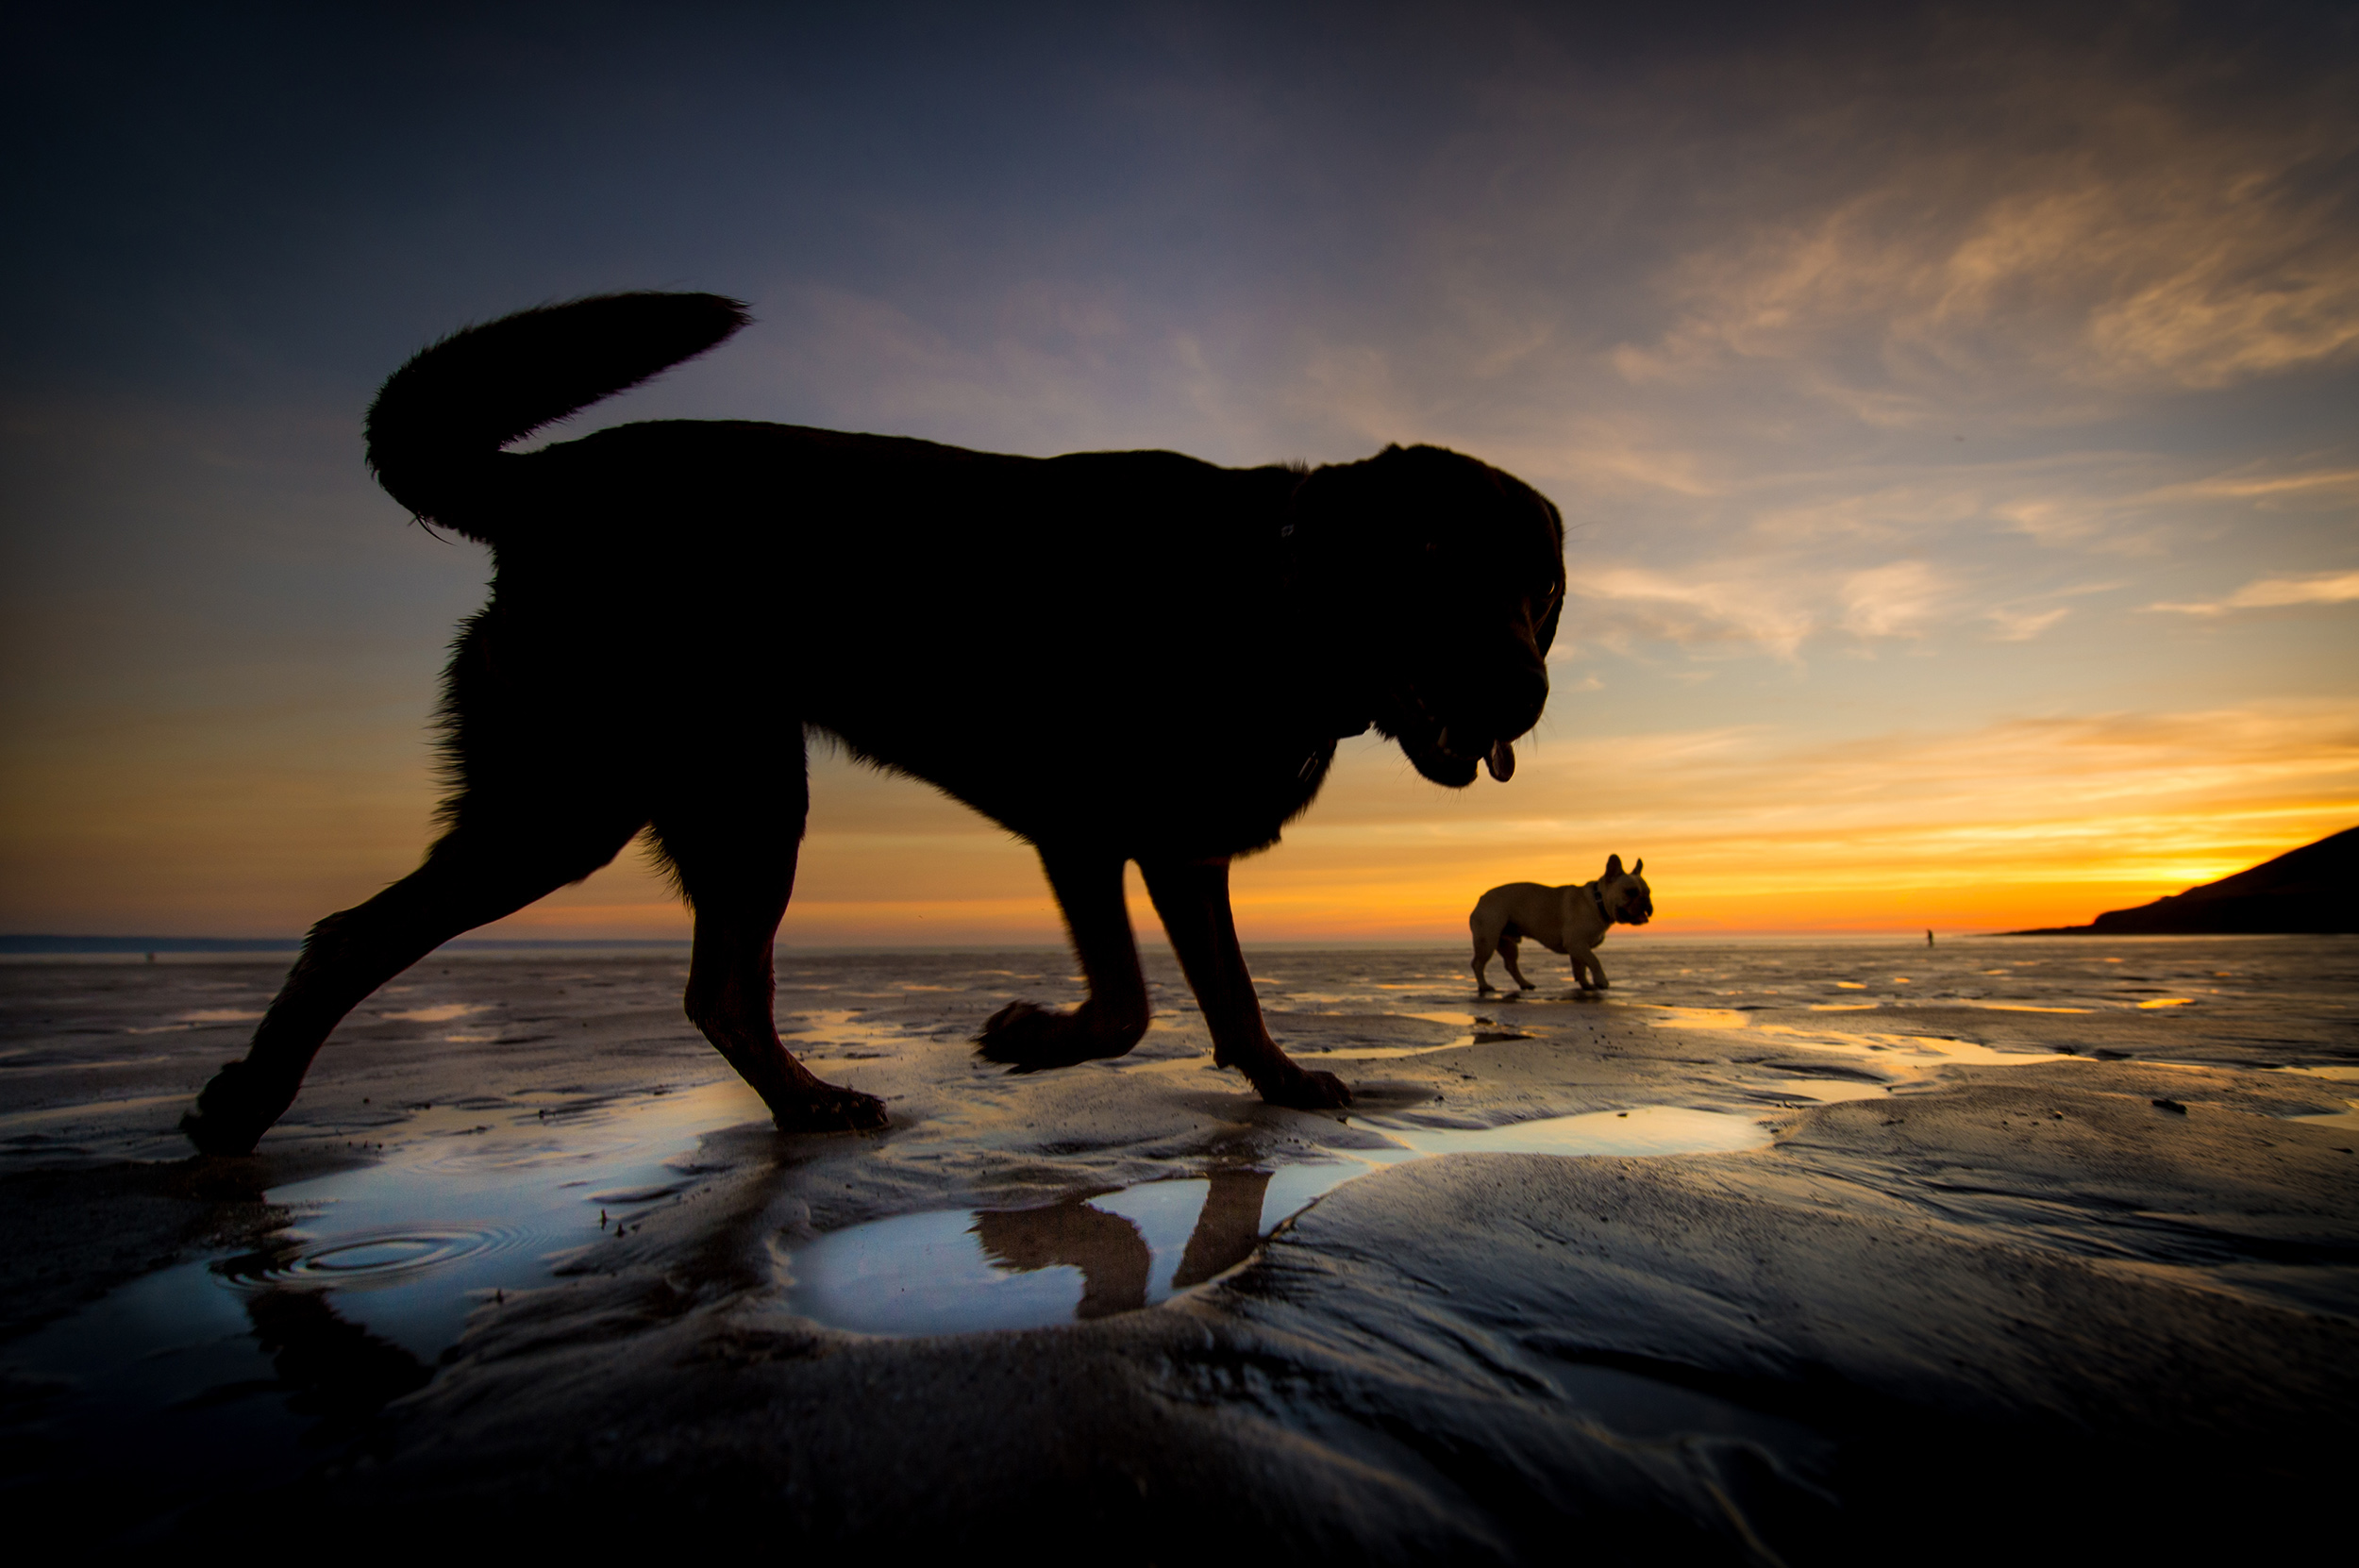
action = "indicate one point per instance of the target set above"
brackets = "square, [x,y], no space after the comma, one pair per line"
[1954,413]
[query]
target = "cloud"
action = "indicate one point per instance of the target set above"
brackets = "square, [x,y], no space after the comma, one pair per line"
[2127,504]
[2021,625]
[1776,603]
[1875,508]
[2316,486]
[2013,778]
[2113,240]
[1894,600]
[1624,604]
[2323,588]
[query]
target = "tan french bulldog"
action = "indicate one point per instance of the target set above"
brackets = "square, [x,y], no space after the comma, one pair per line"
[1569,920]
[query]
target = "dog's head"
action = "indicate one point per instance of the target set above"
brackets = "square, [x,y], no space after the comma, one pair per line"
[1627,897]
[1443,577]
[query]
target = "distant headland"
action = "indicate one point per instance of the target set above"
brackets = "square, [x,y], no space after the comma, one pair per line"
[2303,891]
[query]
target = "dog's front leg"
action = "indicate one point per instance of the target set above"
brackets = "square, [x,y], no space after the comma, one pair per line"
[1088,885]
[1193,898]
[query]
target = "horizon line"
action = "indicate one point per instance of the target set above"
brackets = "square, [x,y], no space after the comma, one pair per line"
[34,946]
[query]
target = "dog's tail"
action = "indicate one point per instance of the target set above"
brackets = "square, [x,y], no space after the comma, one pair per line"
[439,422]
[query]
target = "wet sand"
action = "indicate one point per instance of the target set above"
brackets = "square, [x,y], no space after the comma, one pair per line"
[1789,1251]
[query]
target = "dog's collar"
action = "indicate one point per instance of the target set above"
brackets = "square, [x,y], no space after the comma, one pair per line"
[1598,899]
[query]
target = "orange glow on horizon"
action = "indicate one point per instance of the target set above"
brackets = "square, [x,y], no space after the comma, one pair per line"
[1995,830]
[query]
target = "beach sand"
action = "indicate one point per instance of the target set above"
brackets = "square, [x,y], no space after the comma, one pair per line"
[1789,1251]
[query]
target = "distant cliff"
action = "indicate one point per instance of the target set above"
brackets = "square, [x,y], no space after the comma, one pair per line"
[2308,889]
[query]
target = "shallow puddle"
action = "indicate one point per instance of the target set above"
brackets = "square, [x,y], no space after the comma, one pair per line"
[1897,1053]
[1390,1053]
[2345,1120]
[218,1370]
[2339,1075]
[211,1368]
[1903,1052]
[966,1270]
[1826,1090]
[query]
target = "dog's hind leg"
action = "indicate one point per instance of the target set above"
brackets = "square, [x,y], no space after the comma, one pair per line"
[1485,944]
[487,866]
[735,854]
[1089,890]
[1510,948]
[1193,898]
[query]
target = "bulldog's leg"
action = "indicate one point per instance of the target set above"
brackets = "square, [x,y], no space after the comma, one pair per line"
[736,863]
[1584,964]
[1089,890]
[1193,898]
[492,863]
[1484,943]
[1510,950]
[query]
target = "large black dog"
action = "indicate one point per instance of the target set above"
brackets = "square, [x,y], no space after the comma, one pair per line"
[1121,656]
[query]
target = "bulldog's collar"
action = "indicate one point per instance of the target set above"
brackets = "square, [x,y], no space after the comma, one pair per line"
[1598,899]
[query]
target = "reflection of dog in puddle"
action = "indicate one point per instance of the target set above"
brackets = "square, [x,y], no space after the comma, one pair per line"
[334,1369]
[1111,1253]
[1568,920]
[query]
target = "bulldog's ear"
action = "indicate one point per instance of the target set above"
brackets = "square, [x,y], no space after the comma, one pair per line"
[1613,867]
[1640,869]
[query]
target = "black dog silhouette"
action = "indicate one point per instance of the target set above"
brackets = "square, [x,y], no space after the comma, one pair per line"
[1120,656]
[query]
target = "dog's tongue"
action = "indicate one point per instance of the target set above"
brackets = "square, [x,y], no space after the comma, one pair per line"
[1502,762]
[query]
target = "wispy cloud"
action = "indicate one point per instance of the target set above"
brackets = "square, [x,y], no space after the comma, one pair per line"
[2324,588]
[2326,486]
[2166,251]
[1894,600]
[1623,605]
[2009,625]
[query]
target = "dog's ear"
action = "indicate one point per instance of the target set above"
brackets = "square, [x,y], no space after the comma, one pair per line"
[1640,869]
[1613,867]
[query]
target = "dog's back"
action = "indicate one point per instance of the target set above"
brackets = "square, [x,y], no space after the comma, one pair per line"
[1517,910]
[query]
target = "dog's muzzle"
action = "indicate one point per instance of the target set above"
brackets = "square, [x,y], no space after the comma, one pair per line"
[1500,760]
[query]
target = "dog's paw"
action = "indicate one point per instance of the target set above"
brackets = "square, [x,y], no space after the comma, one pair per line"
[1307,1090]
[1032,1039]
[232,1112]
[830,1109]
[1526,985]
